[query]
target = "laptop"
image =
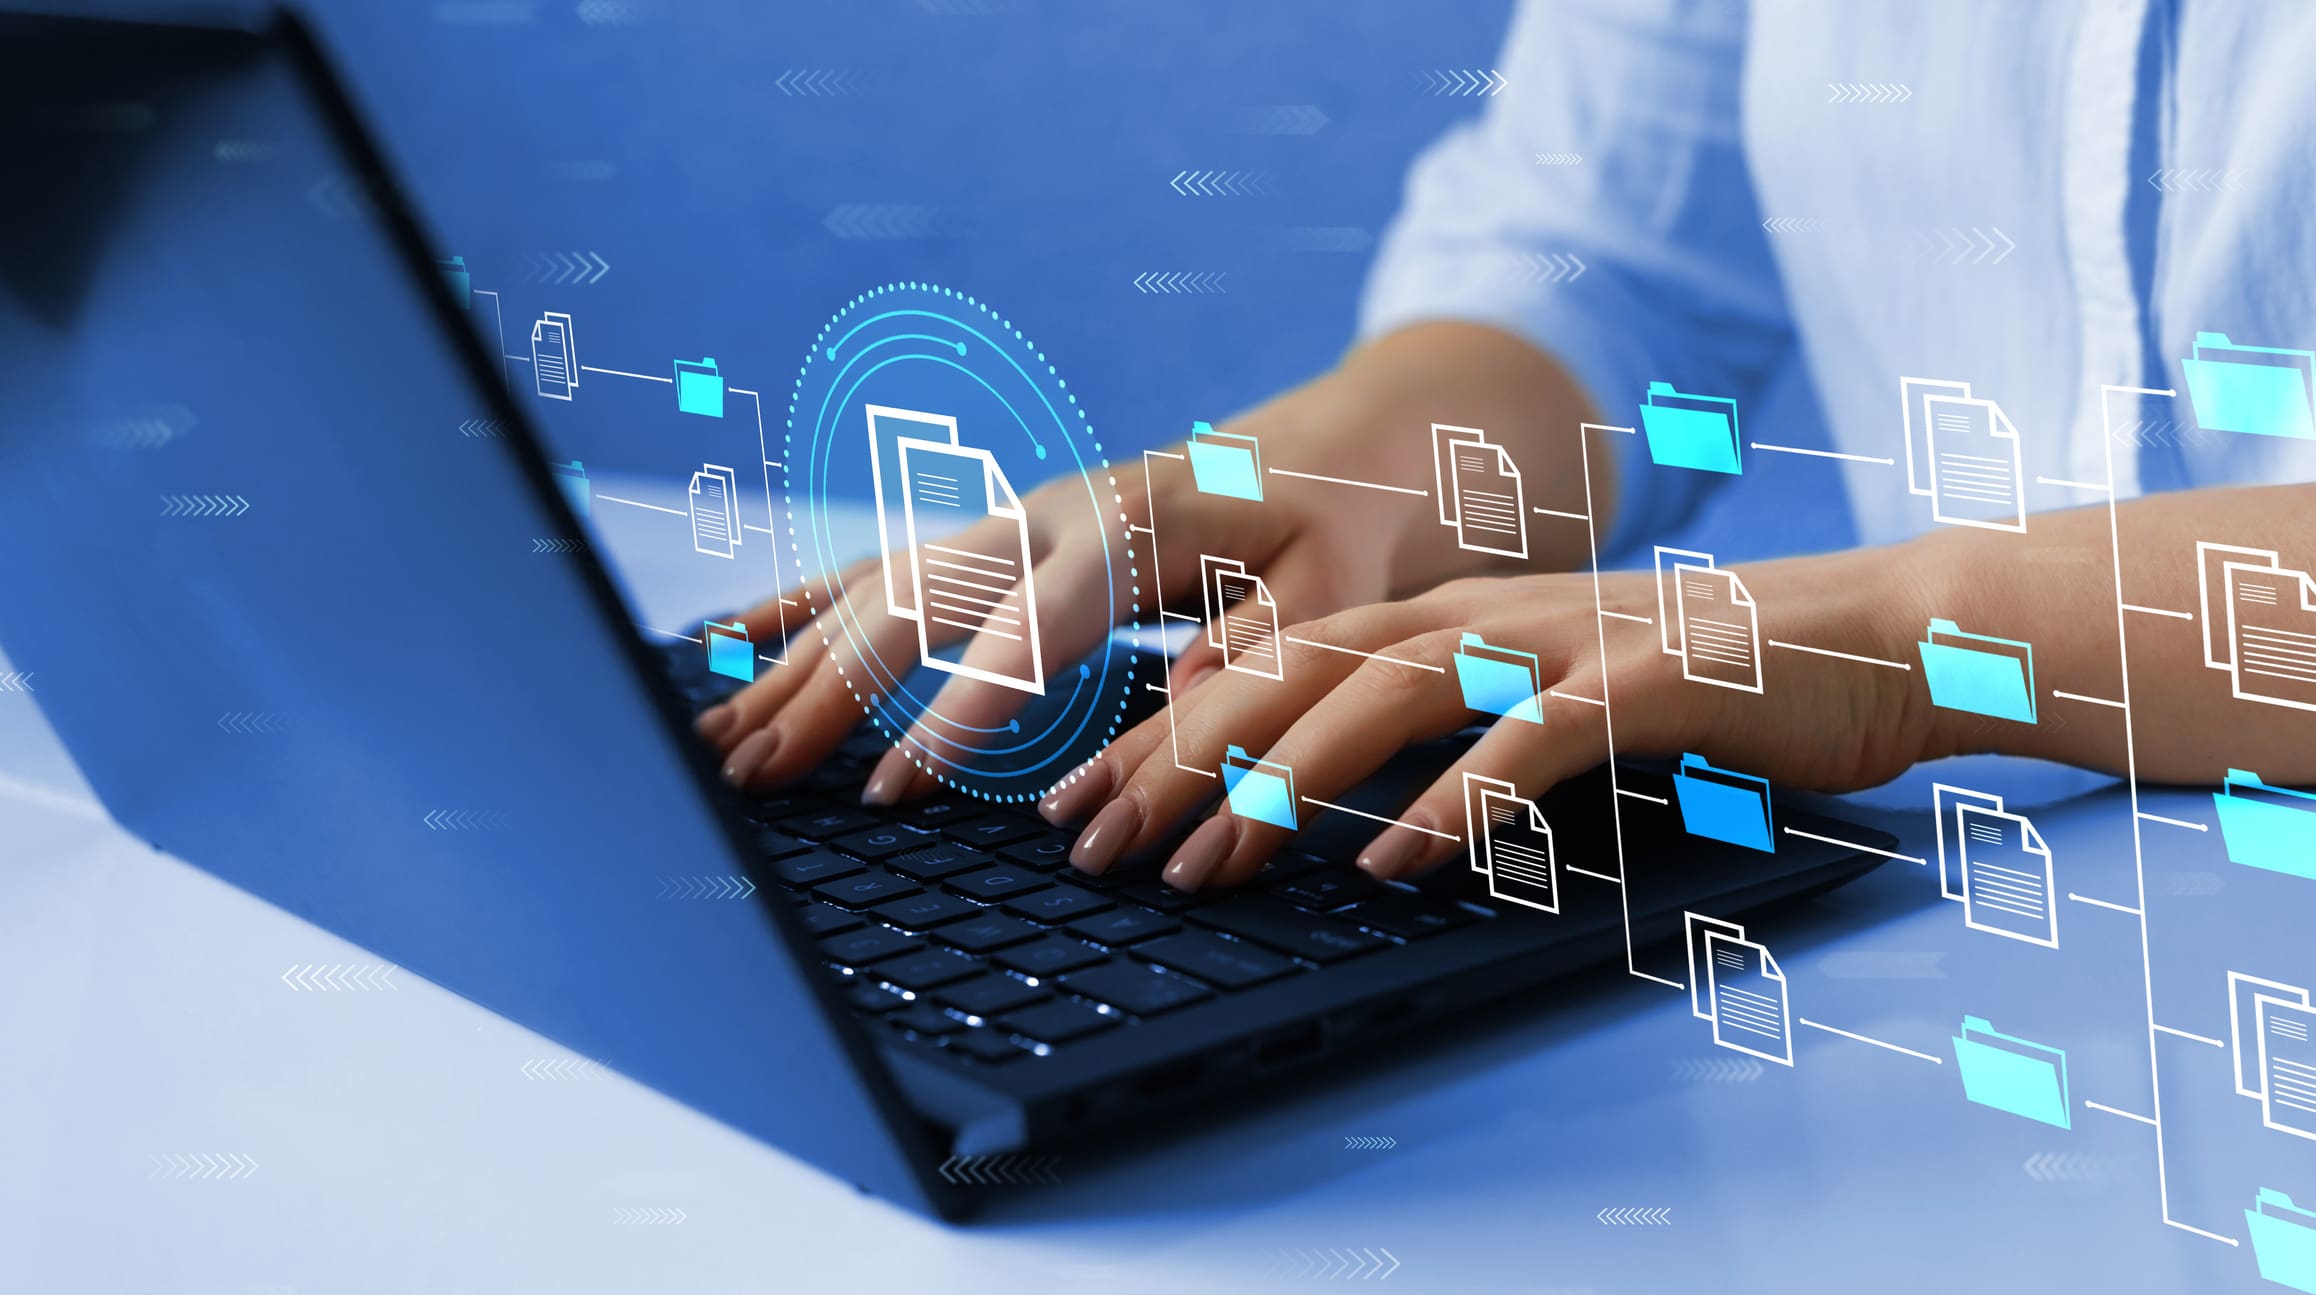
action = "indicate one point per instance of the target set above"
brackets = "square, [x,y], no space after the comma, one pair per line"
[324,641]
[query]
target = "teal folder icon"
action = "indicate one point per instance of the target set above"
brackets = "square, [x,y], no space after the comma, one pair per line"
[572,477]
[1262,790]
[2267,827]
[2260,390]
[730,654]
[699,388]
[1687,431]
[2283,1240]
[1499,681]
[2012,1074]
[1225,463]
[455,278]
[1979,673]
[1723,806]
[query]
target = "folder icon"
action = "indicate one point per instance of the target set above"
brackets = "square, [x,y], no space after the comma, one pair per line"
[2267,827]
[2260,390]
[1723,806]
[1979,673]
[572,477]
[460,283]
[1687,431]
[1262,790]
[2012,1074]
[1499,681]
[730,653]
[1225,463]
[2283,1240]
[699,388]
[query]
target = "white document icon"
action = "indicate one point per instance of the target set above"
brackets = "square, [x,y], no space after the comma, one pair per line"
[2008,888]
[715,509]
[1706,617]
[1737,985]
[1241,617]
[1479,492]
[2273,1029]
[2259,624]
[1964,454]
[1511,843]
[554,356]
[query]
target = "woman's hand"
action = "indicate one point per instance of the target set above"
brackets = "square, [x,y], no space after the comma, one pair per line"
[1363,683]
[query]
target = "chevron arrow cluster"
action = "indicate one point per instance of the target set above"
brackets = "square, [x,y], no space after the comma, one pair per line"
[16,680]
[463,820]
[1955,245]
[1618,1217]
[2163,431]
[616,13]
[1281,119]
[1178,282]
[1345,1263]
[647,1215]
[558,546]
[252,722]
[563,268]
[488,428]
[1001,1170]
[322,977]
[706,887]
[1547,267]
[203,505]
[2174,179]
[1220,184]
[1560,159]
[552,1068]
[1867,92]
[820,82]
[1321,238]
[1369,1144]
[204,1165]
[149,430]
[1794,225]
[889,220]
[1717,1070]
[2065,1167]
[1462,83]
[341,196]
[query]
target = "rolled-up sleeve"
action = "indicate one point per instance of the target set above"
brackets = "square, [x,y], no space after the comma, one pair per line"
[1601,208]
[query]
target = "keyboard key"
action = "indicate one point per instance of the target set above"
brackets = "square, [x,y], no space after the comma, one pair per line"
[925,1019]
[814,868]
[1309,936]
[992,831]
[986,932]
[1212,958]
[826,824]
[934,862]
[865,889]
[924,910]
[1056,904]
[773,808]
[1410,917]
[878,843]
[1329,889]
[1124,926]
[826,919]
[927,969]
[1045,852]
[867,746]
[993,884]
[989,995]
[876,999]
[1057,1022]
[862,947]
[938,811]
[1133,988]
[779,845]
[1166,899]
[986,1045]
[1050,956]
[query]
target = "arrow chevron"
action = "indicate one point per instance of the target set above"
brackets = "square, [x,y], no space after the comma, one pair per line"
[210,1166]
[203,505]
[2065,1167]
[558,546]
[1868,92]
[1177,282]
[252,723]
[324,977]
[16,680]
[1547,267]
[647,1216]
[148,430]
[1957,245]
[1717,1070]
[1462,83]
[2172,179]
[1560,159]
[1220,184]
[557,1068]
[1622,1217]
[1001,1170]
[489,428]
[1369,1144]
[706,887]
[341,196]
[463,820]
[820,82]
[1335,1263]
[563,269]
[616,13]
[890,220]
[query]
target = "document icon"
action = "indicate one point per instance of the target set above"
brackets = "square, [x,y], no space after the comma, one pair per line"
[699,388]
[2283,1240]
[1964,454]
[1499,681]
[730,653]
[1511,843]
[715,509]
[1737,985]
[1259,789]
[2012,1074]
[2007,885]
[1687,431]
[1241,617]
[1979,673]
[1480,495]
[2267,827]
[2259,623]
[1723,806]
[572,477]
[554,356]
[1706,617]
[2273,1029]
[2262,390]
[1225,463]
[455,278]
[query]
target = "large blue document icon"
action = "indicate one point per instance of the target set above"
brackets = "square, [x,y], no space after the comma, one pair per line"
[2267,827]
[1979,673]
[1499,681]
[1723,806]
[1686,431]
[1262,790]
[2259,390]
[2012,1074]
[2283,1240]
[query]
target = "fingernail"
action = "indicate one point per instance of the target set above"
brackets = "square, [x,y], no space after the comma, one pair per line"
[892,777]
[1393,852]
[1202,853]
[1069,801]
[1107,836]
[750,755]
[715,721]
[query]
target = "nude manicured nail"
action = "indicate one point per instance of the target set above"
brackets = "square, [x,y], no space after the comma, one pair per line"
[1199,856]
[1393,853]
[892,777]
[715,721]
[750,755]
[1070,801]
[1107,836]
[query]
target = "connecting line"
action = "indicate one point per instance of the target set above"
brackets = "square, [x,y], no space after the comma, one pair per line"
[751,526]
[2101,903]
[2214,1236]
[1598,876]
[1164,614]
[1412,665]
[1554,512]
[1158,580]
[622,373]
[2089,701]
[1669,984]
[1324,804]
[1161,689]
[2077,485]
[2158,611]
[1935,1061]
[2174,822]
[1628,616]
[2129,1115]
[1852,845]
[1844,656]
[771,514]
[1161,454]
[1607,712]
[499,318]
[654,629]
[1340,481]
[1569,696]
[2182,1034]
[1823,454]
[637,503]
[1641,795]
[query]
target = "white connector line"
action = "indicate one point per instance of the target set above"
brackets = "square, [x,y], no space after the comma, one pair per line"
[2089,701]
[1852,845]
[654,629]
[2182,1034]
[1823,454]
[1604,427]
[1598,876]
[622,373]
[1163,454]
[2174,822]
[2158,611]
[1642,795]
[1554,512]
[1143,530]
[1669,984]
[1628,616]
[1323,804]
[2074,485]
[1159,688]
[1845,656]
[637,503]
[1340,481]
[519,359]
[1935,1061]
[2201,1233]
[751,526]
[1569,696]
[2101,903]
[1412,665]
[2129,1115]
[1158,578]
[1163,614]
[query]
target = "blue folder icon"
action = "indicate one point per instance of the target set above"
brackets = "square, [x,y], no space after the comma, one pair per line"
[572,477]
[730,654]
[1225,463]
[2012,1074]
[1723,806]
[1262,790]
[1499,681]
[699,387]
[1979,673]
[2267,827]
[456,278]
[2261,390]
[2283,1240]
[1686,431]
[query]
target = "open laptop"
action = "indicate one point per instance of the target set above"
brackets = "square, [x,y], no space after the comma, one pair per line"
[342,653]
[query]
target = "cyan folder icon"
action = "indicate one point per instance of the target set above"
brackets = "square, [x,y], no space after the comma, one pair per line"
[1225,463]
[1979,673]
[1686,431]
[2012,1074]
[1499,681]
[1723,806]
[699,387]
[2261,390]
[1262,790]
[729,652]
[2283,1240]
[2267,827]
[456,278]
[572,477]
